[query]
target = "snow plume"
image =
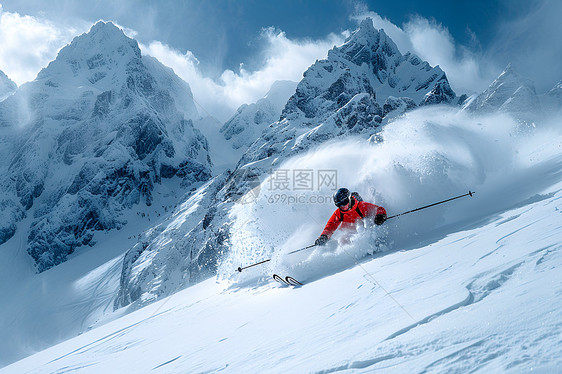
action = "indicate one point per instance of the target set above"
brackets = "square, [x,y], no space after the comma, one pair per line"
[426,156]
[284,59]
[28,43]
[432,42]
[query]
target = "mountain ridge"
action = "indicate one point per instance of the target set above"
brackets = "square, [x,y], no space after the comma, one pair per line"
[92,134]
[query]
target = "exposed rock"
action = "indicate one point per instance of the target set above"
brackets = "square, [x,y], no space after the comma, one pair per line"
[103,125]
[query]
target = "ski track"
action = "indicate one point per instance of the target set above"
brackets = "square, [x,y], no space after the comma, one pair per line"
[75,368]
[475,294]
[166,363]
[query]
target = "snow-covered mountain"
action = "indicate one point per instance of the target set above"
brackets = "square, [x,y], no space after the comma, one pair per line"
[510,93]
[367,63]
[360,85]
[89,139]
[357,88]
[7,86]
[251,119]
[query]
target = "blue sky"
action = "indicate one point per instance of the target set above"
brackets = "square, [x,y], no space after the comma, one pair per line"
[235,49]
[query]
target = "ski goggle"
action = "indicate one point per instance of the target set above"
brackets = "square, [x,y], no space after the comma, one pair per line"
[342,203]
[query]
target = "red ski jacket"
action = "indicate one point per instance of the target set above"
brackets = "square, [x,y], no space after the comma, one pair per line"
[347,219]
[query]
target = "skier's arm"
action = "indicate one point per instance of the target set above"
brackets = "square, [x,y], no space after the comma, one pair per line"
[369,209]
[374,210]
[332,225]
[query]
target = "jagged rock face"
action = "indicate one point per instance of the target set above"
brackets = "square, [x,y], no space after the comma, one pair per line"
[401,104]
[368,62]
[10,214]
[7,86]
[440,93]
[166,260]
[360,86]
[184,249]
[357,89]
[509,93]
[101,126]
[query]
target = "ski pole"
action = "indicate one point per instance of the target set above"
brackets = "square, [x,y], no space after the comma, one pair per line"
[470,193]
[264,261]
[249,266]
[302,249]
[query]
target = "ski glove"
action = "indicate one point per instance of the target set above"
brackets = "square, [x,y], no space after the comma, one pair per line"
[322,239]
[380,218]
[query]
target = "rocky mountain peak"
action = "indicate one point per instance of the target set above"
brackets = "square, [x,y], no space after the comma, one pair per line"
[93,56]
[102,37]
[370,63]
[250,120]
[101,128]
[510,93]
[366,43]
[510,78]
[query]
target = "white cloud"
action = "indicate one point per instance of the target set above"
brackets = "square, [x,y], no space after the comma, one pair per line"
[433,43]
[532,43]
[27,44]
[285,59]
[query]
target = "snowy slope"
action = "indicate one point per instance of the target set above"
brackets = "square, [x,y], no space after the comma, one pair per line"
[483,297]
[473,285]
[39,310]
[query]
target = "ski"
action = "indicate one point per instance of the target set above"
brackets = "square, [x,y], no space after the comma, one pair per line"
[287,281]
[280,279]
[292,281]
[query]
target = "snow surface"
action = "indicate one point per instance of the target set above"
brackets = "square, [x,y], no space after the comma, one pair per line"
[472,285]
[7,86]
[39,310]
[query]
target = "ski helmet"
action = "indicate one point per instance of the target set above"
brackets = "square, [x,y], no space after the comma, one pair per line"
[341,197]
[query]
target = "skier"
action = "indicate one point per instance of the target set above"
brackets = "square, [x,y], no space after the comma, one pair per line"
[351,208]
